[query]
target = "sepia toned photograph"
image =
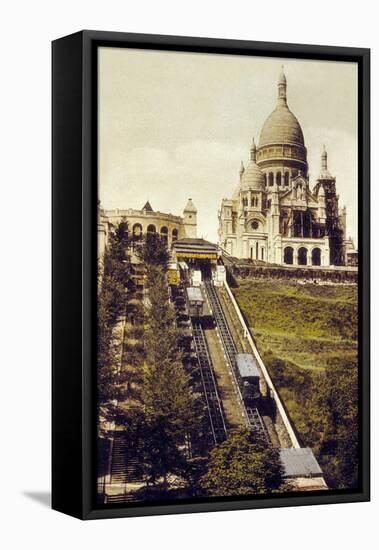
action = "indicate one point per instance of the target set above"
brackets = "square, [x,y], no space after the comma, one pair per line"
[227,277]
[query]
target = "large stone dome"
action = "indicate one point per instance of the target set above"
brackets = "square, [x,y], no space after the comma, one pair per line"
[281,127]
[281,143]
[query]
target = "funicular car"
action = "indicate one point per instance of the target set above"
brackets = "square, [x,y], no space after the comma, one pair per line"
[248,376]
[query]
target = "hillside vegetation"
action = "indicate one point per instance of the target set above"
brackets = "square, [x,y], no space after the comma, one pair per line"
[307,336]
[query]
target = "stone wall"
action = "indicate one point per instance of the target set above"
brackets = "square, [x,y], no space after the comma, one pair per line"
[332,275]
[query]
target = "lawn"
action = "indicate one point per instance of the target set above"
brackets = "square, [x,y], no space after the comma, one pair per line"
[305,333]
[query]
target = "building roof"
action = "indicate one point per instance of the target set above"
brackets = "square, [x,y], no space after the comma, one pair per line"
[281,125]
[195,248]
[190,207]
[247,365]
[195,243]
[194,294]
[252,178]
[148,207]
[299,463]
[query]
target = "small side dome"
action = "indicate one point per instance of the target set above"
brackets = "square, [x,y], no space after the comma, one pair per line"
[252,178]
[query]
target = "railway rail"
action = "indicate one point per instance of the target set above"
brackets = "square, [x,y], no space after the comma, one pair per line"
[216,414]
[252,415]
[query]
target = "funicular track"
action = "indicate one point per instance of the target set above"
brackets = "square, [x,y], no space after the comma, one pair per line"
[216,415]
[252,415]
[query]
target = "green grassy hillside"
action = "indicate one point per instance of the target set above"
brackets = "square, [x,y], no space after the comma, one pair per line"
[307,336]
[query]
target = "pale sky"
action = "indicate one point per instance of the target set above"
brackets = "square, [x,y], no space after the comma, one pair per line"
[175,125]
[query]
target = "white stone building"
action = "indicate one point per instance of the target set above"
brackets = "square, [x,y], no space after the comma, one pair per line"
[273,215]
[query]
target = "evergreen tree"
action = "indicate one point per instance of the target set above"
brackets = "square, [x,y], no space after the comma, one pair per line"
[113,277]
[154,251]
[243,465]
[169,403]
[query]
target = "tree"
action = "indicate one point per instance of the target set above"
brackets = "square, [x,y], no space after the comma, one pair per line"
[168,401]
[113,277]
[243,465]
[339,450]
[154,251]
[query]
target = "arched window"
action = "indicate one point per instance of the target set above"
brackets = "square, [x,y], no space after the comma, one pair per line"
[164,234]
[288,255]
[151,228]
[316,256]
[174,235]
[302,256]
[307,224]
[279,178]
[122,230]
[137,231]
[287,178]
[271,178]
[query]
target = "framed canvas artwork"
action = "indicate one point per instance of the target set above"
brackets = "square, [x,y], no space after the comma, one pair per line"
[210,274]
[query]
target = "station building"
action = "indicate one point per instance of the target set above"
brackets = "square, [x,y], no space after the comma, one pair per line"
[273,215]
[171,228]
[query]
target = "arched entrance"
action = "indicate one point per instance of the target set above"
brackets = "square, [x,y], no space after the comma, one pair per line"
[302,256]
[137,231]
[288,255]
[164,234]
[174,235]
[137,235]
[151,228]
[316,256]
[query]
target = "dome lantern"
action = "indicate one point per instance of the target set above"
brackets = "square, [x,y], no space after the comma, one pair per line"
[282,87]
[253,152]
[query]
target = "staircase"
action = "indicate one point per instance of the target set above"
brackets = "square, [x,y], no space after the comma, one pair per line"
[121,498]
[124,466]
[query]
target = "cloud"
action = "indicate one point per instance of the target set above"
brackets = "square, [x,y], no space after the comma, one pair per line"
[174,126]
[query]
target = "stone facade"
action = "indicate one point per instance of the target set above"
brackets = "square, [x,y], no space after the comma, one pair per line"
[274,216]
[171,228]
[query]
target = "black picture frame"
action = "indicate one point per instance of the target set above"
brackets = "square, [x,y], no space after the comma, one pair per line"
[74,205]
